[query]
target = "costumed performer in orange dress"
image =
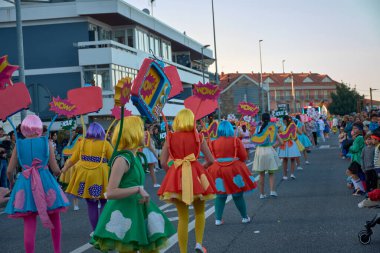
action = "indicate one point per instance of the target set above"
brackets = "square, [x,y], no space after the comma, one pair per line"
[229,172]
[187,182]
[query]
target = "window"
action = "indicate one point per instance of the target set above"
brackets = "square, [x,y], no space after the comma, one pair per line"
[287,94]
[298,94]
[307,94]
[119,72]
[98,75]
[325,94]
[119,36]
[130,37]
[157,48]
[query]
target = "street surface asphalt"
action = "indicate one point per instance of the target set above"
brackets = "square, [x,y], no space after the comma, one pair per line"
[313,213]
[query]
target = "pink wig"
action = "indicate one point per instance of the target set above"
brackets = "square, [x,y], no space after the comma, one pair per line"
[31,126]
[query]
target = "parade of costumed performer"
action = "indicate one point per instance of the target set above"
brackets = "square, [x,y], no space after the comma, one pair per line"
[289,150]
[90,178]
[229,172]
[186,181]
[130,221]
[300,146]
[151,155]
[266,158]
[65,177]
[36,191]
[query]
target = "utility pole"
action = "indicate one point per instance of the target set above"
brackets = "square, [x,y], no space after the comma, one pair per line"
[216,59]
[20,48]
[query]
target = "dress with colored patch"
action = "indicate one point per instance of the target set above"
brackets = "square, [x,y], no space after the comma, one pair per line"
[90,178]
[229,172]
[125,225]
[186,179]
[36,190]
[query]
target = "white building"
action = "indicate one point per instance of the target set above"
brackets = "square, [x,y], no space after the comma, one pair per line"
[70,43]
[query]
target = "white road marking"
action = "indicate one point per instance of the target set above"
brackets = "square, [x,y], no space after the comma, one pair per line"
[324,146]
[174,238]
[82,248]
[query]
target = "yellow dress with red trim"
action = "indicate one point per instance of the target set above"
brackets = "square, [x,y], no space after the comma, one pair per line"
[186,179]
[90,178]
[290,148]
[230,173]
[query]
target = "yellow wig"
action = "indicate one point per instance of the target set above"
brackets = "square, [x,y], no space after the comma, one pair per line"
[132,135]
[184,121]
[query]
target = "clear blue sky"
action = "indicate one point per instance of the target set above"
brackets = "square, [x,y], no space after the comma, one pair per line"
[340,38]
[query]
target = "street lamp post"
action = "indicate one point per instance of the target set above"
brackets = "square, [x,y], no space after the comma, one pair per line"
[261,92]
[216,59]
[203,65]
[283,66]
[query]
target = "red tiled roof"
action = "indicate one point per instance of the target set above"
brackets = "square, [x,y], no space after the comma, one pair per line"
[278,78]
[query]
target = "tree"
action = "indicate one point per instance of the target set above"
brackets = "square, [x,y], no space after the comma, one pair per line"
[345,100]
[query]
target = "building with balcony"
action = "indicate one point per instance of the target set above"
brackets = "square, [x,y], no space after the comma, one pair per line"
[291,90]
[70,43]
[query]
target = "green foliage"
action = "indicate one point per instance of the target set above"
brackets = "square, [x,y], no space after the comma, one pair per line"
[345,100]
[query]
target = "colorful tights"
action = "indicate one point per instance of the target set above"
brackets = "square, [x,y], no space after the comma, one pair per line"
[220,202]
[93,211]
[183,222]
[30,226]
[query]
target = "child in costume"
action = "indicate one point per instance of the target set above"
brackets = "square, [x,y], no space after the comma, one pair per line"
[289,149]
[266,158]
[229,172]
[305,141]
[130,221]
[151,156]
[36,191]
[90,178]
[187,182]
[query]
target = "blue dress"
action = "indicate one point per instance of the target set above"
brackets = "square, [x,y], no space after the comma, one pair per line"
[302,137]
[33,156]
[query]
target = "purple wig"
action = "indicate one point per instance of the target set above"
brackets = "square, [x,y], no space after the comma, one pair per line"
[95,131]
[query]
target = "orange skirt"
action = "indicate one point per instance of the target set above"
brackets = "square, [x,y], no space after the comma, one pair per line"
[171,187]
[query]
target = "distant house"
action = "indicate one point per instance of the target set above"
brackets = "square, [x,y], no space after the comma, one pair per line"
[308,88]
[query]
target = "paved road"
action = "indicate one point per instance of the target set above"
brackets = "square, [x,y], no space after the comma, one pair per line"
[314,213]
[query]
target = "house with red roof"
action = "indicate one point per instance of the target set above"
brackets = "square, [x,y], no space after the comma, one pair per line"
[294,90]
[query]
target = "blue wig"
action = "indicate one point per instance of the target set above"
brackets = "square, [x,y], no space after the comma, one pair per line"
[225,129]
[95,131]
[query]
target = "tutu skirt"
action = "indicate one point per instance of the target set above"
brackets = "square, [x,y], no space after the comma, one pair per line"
[150,157]
[289,150]
[266,159]
[305,141]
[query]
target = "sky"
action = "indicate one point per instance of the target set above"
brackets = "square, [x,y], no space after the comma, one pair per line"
[340,38]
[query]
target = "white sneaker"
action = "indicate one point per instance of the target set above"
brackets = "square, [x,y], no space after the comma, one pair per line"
[246,220]
[307,162]
[292,176]
[263,196]
[99,205]
[76,208]
[200,249]
[156,185]
[92,233]
[299,168]
[284,178]
[219,222]
[273,194]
